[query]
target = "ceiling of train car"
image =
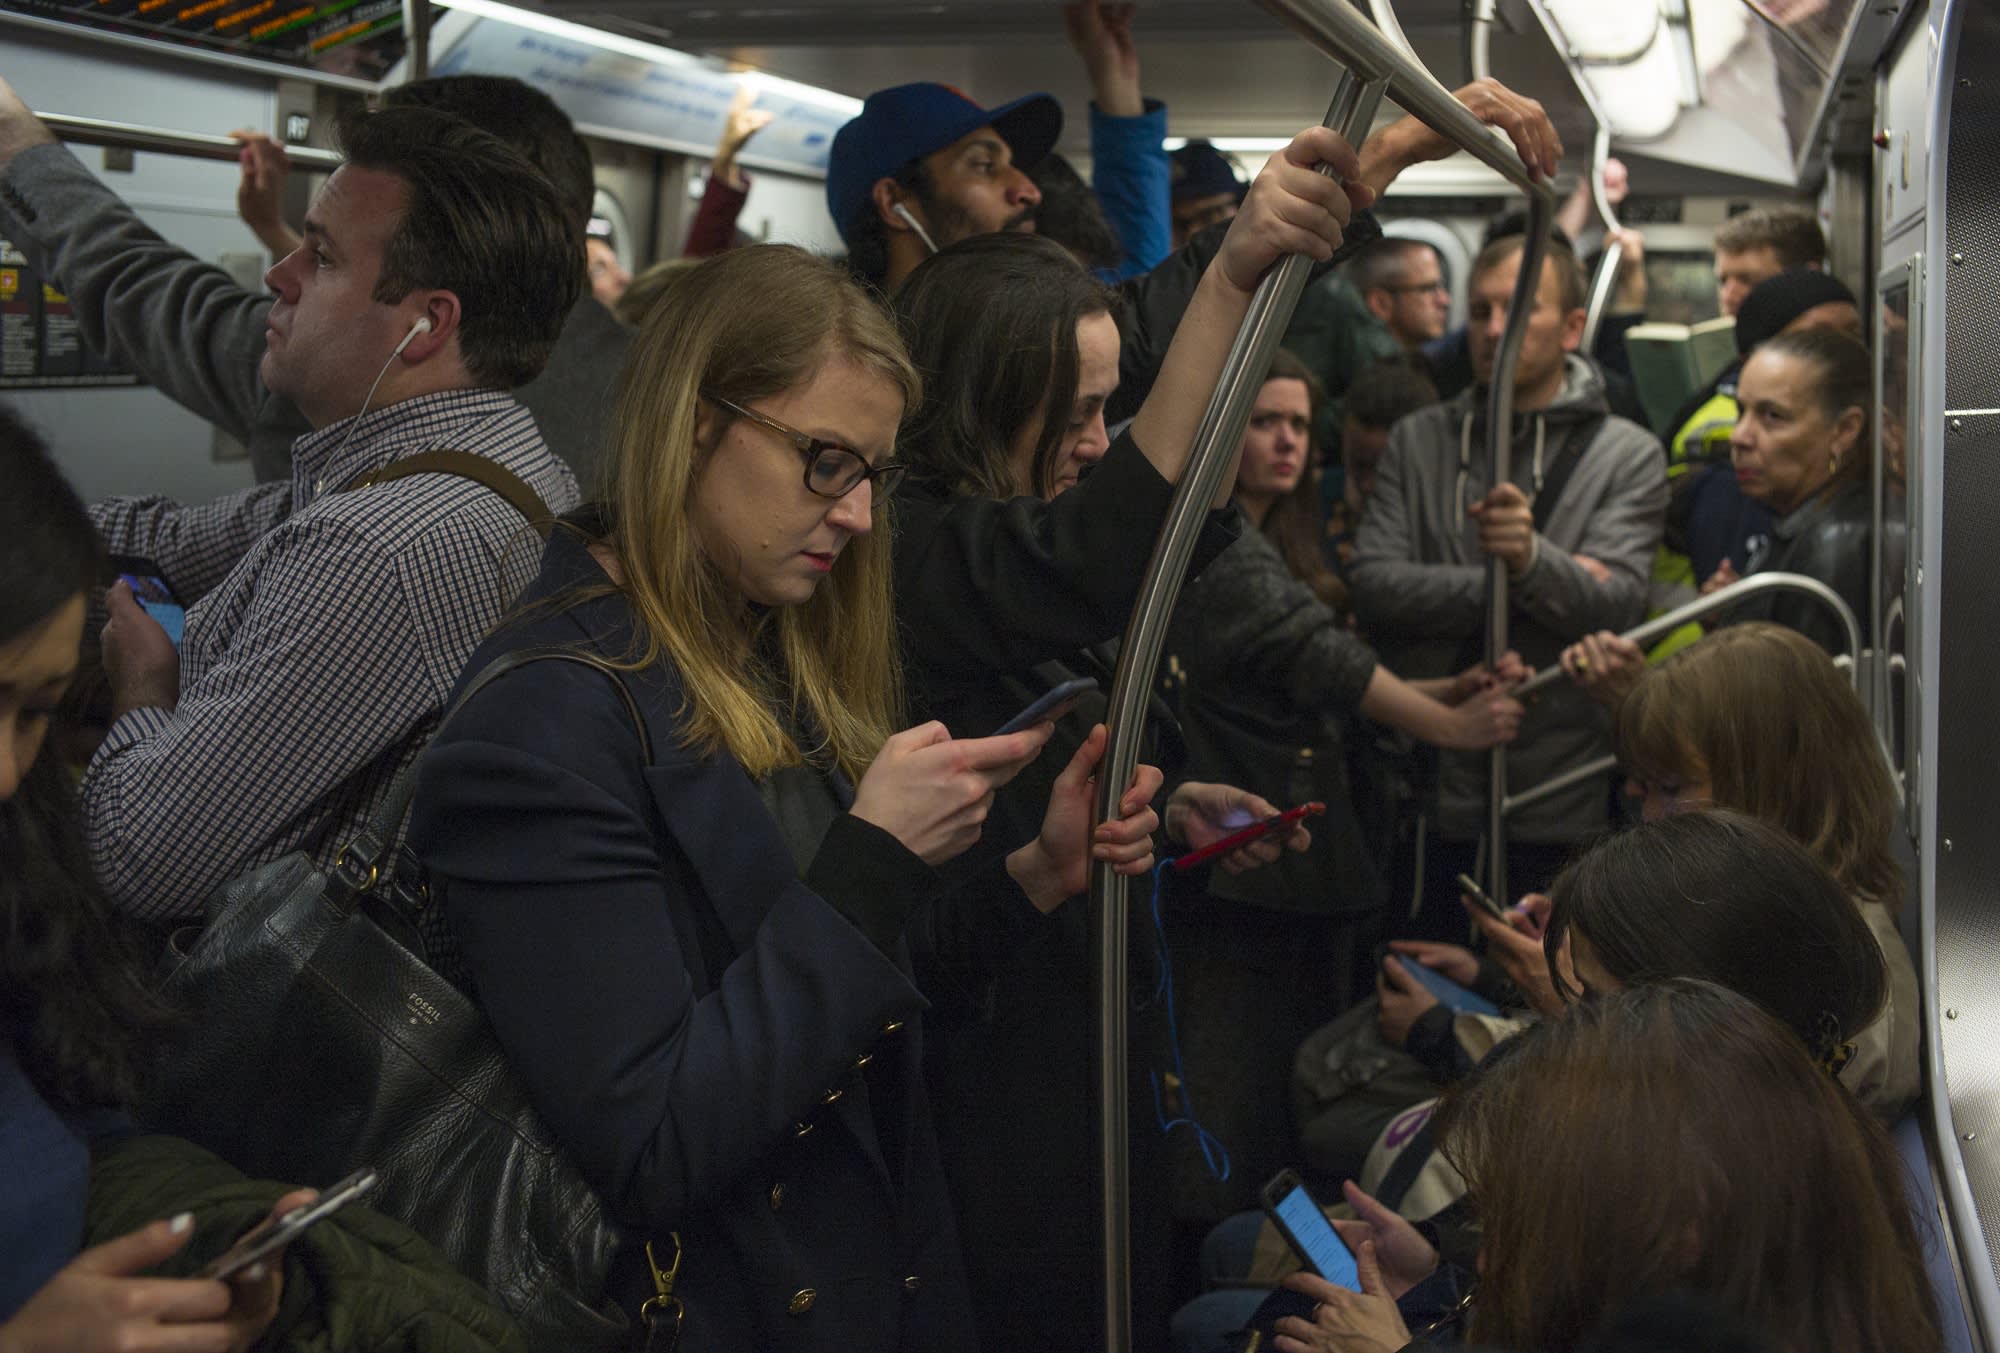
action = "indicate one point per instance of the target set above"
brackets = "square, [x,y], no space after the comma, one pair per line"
[1225,67]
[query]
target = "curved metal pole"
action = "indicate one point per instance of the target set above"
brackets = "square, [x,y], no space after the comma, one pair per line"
[1221,431]
[416,39]
[1606,281]
[1660,626]
[97,131]
[1479,39]
[1666,624]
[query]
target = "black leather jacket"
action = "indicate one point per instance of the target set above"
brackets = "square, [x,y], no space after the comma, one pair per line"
[1826,538]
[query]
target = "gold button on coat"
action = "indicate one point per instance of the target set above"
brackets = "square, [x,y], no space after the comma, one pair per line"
[802,1301]
[893,1026]
[911,1284]
[777,1196]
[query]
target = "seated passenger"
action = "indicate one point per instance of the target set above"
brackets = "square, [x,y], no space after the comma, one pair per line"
[1700,1150]
[1802,448]
[1576,527]
[190,331]
[1712,896]
[330,614]
[697,963]
[84,1267]
[922,166]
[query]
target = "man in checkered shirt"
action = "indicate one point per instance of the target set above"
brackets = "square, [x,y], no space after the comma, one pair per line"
[327,624]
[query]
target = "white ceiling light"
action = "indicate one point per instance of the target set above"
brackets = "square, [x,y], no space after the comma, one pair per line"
[1234,145]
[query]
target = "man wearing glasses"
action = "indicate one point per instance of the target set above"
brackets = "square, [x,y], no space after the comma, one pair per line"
[1402,284]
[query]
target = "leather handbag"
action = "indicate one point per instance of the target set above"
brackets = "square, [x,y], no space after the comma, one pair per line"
[319,1042]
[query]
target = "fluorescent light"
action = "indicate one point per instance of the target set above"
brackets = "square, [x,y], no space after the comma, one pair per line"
[1240,145]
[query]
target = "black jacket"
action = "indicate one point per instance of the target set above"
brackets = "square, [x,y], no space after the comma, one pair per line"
[730,1050]
[1826,538]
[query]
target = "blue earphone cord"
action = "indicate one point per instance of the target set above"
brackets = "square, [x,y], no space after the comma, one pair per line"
[1213,1154]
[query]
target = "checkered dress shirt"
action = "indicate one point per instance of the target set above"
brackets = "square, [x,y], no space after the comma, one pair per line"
[325,631]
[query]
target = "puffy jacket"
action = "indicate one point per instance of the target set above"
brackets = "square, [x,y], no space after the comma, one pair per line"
[357,1280]
[1419,579]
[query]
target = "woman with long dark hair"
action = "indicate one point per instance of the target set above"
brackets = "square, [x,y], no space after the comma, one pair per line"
[1673,1137]
[75,1016]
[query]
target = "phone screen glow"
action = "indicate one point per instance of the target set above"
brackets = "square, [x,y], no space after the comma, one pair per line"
[1324,1249]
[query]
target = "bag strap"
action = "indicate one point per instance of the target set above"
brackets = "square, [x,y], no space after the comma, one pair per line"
[465,465]
[1558,476]
[362,861]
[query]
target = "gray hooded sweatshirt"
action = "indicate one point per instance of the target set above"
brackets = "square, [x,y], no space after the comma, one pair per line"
[1419,580]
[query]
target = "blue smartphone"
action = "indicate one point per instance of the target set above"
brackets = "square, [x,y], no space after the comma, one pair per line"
[154,595]
[1306,1229]
[1053,705]
[1450,994]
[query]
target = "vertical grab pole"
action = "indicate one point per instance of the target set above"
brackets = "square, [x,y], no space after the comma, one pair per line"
[1499,469]
[416,39]
[1352,113]
[1479,38]
[1606,280]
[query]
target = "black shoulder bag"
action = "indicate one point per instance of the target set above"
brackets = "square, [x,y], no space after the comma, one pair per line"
[317,1043]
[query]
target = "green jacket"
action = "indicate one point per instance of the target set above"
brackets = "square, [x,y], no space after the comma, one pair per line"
[356,1281]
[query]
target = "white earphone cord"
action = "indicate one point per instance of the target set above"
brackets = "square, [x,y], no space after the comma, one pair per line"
[422,326]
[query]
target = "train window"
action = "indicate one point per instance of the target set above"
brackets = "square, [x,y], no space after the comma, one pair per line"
[1680,286]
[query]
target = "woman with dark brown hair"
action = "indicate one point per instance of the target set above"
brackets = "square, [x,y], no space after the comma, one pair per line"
[1668,1138]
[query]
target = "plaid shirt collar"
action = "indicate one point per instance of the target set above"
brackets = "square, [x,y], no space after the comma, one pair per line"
[325,460]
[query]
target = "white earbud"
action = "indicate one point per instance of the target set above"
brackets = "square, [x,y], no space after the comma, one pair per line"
[922,234]
[422,326]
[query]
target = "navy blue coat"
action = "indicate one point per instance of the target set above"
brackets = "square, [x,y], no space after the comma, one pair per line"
[724,1051]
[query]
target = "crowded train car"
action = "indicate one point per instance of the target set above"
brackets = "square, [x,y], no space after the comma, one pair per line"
[1051,677]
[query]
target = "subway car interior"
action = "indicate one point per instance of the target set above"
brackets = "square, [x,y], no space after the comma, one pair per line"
[1133,1120]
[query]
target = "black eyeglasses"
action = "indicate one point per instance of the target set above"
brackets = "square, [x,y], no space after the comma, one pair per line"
[832,471]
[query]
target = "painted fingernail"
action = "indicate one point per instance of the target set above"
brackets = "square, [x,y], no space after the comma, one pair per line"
[255,1273]
[182,1224]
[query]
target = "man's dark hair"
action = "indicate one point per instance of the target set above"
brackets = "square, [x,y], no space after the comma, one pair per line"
[480,222]
[1388,390]
[523,117]
[868,239]
[991,324]
[1789,232]
[1071,216]
[1380,263]
[1516,223]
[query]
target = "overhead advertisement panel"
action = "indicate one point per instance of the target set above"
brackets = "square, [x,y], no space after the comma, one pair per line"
[357,38]
[672,101]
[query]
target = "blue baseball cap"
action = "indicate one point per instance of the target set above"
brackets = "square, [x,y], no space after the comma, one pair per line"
[908,122]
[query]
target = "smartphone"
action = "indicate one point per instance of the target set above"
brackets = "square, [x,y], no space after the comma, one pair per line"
[1053,705]
[1256,831]
[1453,997]
[1478,894]
[1306,1229]
[153,593]
[260,1244]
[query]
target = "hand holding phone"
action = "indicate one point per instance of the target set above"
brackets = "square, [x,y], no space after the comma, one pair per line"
[1049,707]
[1470,887]
[1305,1228]
[1458,999]
[260,1243]
[1256,831]
[153,593]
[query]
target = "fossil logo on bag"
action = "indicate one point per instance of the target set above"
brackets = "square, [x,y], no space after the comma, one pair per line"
[420,1010]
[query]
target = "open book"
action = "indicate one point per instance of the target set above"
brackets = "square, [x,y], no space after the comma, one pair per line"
[1670,362]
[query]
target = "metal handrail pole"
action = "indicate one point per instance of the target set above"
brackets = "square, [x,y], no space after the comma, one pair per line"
[1556,784]
[1479,39]
[1500,470]
[1221,431]
[97,131]
[1606,281]
[416,39]
[1343,33]
[1338,29]
[1722,599]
